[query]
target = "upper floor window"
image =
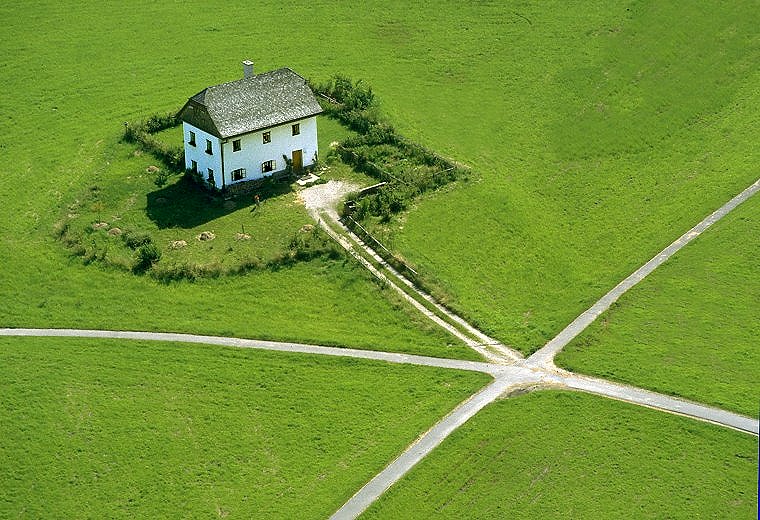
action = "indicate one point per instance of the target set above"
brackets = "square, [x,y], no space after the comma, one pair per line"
[191,141]
[236,145]
[208,147]
[266,137]
[296,129]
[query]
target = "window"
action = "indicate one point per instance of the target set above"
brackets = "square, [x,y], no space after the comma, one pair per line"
[208,147]
[296,128]
[266,137]
[194,166]
[236,145]
[210,177]
[238,174]
[191,141]
[268,166]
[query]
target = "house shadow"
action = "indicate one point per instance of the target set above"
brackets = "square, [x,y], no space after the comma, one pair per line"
[186,205]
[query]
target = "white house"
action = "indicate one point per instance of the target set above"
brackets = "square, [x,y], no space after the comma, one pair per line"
[240,131]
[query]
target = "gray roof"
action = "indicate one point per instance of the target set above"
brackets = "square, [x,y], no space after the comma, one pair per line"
[251,104]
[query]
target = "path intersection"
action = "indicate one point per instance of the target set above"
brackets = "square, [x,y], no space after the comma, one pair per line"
[510,370]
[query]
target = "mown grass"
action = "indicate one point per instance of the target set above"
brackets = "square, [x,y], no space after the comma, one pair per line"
[691,327]
[565,455]
[601,133]
[116,429]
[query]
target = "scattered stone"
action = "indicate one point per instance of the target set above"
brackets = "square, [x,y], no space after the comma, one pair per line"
[306,228]
[206,235]
[152,169]
[177,244]
[100,225]
[73,215]
[114,232]
[137,153]
[229,204]
[307,179]
[242,236]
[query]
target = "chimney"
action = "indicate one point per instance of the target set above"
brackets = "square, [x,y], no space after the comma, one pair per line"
[248,69]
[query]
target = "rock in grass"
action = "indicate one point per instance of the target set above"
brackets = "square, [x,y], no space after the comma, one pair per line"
[206,235]
[100,225]
[114,232]
[177,244]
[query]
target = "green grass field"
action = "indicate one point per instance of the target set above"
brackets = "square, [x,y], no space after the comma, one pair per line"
[113,429]
[566,455]
[691,328]
[596,135]
[601,133]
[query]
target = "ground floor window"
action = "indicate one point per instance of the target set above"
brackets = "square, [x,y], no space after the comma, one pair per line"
[238,174]
[210,177]
[268,166]
[193,166]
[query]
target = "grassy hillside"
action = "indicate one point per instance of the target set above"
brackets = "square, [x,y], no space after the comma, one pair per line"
[563,455]
[112,429]
[691,328]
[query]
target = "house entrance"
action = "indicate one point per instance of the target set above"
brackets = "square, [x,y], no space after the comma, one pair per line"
[297,161]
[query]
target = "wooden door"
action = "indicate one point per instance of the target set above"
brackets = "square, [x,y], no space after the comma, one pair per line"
[297,161]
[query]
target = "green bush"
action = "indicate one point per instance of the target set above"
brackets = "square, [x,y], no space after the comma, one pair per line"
[147,255]
[409,168]
[141,133]
[133,240]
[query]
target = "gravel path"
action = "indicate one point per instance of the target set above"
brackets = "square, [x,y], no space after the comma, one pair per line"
[321,202]
[546,354]
[506,379]
[325,196]
[538,371]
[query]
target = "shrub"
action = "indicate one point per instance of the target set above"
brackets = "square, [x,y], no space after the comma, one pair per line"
[134,240]
[147,255]
[172,156]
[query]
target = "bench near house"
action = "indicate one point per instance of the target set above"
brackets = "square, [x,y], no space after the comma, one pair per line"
[240,131]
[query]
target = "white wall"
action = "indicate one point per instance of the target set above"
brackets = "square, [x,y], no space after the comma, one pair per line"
[253,152]
[198,153]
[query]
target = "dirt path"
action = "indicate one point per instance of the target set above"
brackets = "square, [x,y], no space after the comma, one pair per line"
[506,379]
[321,202]
[509,370]
[545,356]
